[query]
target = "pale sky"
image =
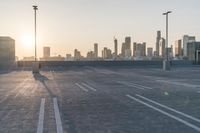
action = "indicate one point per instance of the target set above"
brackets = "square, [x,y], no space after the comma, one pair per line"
[68,24]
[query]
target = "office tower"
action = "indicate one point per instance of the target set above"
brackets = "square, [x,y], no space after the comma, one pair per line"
[96,50]
[134,49]
[187,39]
[149,52]
[162,48]
[127,48]
[7,51]
[144,49]
[128,43]
[68,57]
[127,53]
[91,55]
[77,55]
[46,52]
[116,47]
[123,50]
[178,49]
[192,49]
[140,49]
[157,43]
[106,53]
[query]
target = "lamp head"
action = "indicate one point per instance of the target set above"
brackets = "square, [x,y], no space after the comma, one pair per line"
[35,7]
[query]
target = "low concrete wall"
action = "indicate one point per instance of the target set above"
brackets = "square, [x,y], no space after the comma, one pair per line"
[157,64]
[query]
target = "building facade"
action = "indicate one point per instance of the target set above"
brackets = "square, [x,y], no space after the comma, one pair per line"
[178,49]
[192,49]
[116,48]
[149,52]
[96,50]
[157,43]
[7,50]
[162,48]
[187,39]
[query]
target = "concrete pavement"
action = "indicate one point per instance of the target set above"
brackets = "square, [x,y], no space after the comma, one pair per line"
[100,100]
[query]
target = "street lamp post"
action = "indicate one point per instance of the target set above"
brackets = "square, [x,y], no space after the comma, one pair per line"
[35,9]
[35,64]
[166,63]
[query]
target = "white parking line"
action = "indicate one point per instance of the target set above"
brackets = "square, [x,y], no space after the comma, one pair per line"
[167,114]
[59,128]
[130,85]
[41,117]
[179,83]
[171,109]
[91,88]
[146,87]
[83,88]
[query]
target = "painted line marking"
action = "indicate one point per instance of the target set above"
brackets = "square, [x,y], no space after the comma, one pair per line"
[198,91]
[171,109]
[59,128]
[167,114]
[146,87]
[41,117]
[179,83]
[83,88]
[130,85]
[91,88]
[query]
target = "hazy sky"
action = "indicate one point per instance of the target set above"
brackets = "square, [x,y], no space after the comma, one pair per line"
[68,24]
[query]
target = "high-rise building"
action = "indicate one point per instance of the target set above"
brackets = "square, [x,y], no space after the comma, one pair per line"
[157,43]
[149,52]
[192,48]
[140,49]
[162,47]
[77,55]
[46,52]
[96,50]
[123,50]
[7,50]
[91,55]
[106,53]
[178,49]
[128,43]
[116,47]
[187,39]
[134,49]
[68,57]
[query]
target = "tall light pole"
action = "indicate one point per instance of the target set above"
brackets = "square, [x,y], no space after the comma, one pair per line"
[166,42]
[166,64]
[35,9]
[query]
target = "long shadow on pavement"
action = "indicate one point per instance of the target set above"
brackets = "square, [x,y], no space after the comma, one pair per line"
[42,79]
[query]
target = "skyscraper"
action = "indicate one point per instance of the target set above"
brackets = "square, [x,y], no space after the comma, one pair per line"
[106,53]
[96,50]
[140,49]
[77,55]
[192,48]
[178,49]
[162,48]
[128,43]
[7,51]
[134,48]
[157,43]
[187,39]
[123,50]
[116,47]
[46,52]
[149,52]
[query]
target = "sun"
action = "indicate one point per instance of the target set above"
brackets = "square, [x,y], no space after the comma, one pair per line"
[27,41]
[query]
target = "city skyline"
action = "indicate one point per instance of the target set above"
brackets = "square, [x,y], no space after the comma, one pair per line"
[78,24]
